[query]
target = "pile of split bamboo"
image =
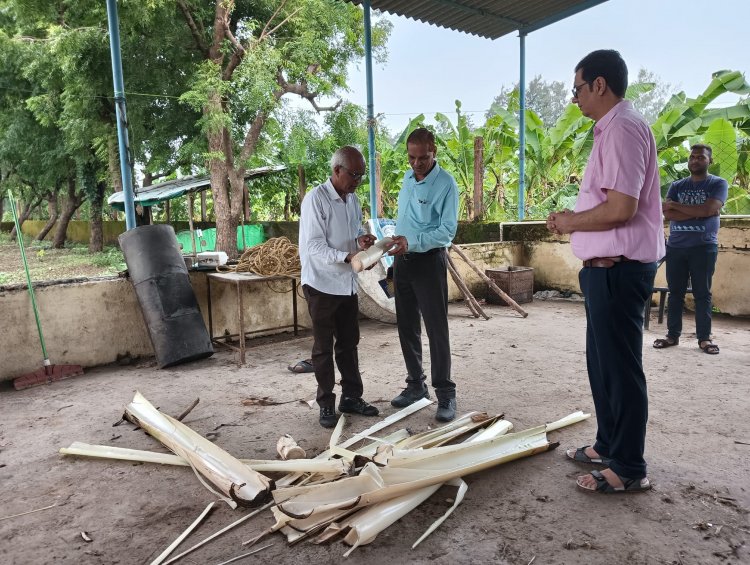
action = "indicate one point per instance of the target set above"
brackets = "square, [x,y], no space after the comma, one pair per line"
[353,491]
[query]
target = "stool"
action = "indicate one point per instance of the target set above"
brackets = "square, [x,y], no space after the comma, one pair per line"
[662,290]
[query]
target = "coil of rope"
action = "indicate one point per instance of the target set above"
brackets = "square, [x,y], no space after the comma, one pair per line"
[277,256]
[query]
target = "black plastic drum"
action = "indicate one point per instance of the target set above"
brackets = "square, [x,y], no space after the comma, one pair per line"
[162,285]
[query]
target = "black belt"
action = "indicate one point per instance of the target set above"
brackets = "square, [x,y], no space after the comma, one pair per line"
[605,262]
[416,254]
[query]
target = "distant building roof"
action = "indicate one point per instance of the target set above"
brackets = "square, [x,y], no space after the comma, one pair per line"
[156,193]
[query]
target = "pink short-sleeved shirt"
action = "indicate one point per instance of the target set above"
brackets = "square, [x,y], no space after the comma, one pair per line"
[623,158]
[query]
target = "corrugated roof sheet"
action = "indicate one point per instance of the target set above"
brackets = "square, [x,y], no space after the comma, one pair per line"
[175,188]
[485,18]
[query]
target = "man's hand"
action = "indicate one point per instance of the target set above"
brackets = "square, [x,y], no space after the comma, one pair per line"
[400,245]
[560,222]
[366,241]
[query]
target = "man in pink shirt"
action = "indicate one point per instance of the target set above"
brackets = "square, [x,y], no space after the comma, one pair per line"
[617,230]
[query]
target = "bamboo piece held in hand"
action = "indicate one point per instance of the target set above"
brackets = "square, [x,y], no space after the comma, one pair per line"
[512,303]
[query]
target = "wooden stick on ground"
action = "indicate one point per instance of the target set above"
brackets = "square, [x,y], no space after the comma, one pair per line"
[512,303]
[461,284]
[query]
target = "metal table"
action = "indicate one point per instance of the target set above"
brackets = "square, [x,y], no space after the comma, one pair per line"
[239,280]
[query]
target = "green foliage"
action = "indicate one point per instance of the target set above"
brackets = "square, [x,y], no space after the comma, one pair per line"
[110,259]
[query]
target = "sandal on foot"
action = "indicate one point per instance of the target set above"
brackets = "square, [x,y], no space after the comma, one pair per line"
[710,348]
[304,366]
[661,343]
[629,485]
[580,456]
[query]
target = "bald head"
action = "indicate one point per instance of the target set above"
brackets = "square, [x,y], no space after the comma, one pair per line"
[347,169]
[348,157]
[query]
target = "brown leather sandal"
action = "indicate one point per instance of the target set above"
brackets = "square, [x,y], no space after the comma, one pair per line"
[661,343]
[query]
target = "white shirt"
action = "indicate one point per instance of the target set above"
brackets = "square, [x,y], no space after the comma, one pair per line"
[328,230]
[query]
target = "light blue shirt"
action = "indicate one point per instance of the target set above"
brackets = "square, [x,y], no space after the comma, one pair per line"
[328,230]
[428,210]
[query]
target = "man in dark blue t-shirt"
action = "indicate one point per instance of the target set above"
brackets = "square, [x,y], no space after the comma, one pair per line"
[692,207]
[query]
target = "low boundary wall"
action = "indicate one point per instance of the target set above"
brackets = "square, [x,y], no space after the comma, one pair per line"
[99,321]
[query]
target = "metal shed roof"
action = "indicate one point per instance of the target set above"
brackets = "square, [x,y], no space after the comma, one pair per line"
[175,188]
[485,18]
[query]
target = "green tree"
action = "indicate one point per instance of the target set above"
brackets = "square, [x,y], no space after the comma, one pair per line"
[254,54]
[546,99]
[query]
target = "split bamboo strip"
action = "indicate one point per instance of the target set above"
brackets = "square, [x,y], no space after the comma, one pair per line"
[235,480]
[333,467]
[392,419]
[419,469]
[164,554]
[365,525]
[512,303]
[233,559]
[220,532]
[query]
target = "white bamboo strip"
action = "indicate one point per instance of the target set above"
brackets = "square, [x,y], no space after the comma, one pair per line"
[220,532]
[164,554]
[234,479]
[330,467]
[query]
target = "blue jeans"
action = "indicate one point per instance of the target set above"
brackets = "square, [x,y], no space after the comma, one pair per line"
[615,301]
[695,265]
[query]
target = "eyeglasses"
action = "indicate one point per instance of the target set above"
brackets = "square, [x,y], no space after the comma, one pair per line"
[577,88]
[355,176]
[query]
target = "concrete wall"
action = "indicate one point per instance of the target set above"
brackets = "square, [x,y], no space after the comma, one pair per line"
[97,322]
[93,323]
[555,266]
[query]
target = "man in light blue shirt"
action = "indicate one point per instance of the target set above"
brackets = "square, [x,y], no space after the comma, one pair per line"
[426,224]
[329,236]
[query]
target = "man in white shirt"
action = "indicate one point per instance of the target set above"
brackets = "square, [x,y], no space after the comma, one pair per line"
[329,236]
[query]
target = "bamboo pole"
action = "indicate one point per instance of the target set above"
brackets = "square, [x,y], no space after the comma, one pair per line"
[512,303]
[467,293]
[471,302]
[467,301]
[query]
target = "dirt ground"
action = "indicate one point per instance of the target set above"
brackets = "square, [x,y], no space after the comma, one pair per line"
[533,370]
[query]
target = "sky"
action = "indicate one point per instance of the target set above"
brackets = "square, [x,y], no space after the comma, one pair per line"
[428,68]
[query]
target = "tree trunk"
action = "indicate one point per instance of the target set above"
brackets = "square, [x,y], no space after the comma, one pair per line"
[96,234]
[72,203]
[24,216]
[203,205]
[287,205]
[53,212]
[302,185]
[478,177]
[2,207]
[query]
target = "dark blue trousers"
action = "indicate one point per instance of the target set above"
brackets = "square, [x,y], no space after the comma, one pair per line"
[696,265]
[615,302]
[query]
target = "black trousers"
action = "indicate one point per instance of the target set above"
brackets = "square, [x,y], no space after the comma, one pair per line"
[615,302]
[421,285]
[694,264]
[335,319]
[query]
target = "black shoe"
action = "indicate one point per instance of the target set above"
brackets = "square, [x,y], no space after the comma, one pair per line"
[328,417]
[357,406]
[409,396]
[446,410]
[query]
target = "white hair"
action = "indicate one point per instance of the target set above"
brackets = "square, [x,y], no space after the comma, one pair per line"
[343,156]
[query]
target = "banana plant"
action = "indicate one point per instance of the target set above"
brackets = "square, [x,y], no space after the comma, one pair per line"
[684,118]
